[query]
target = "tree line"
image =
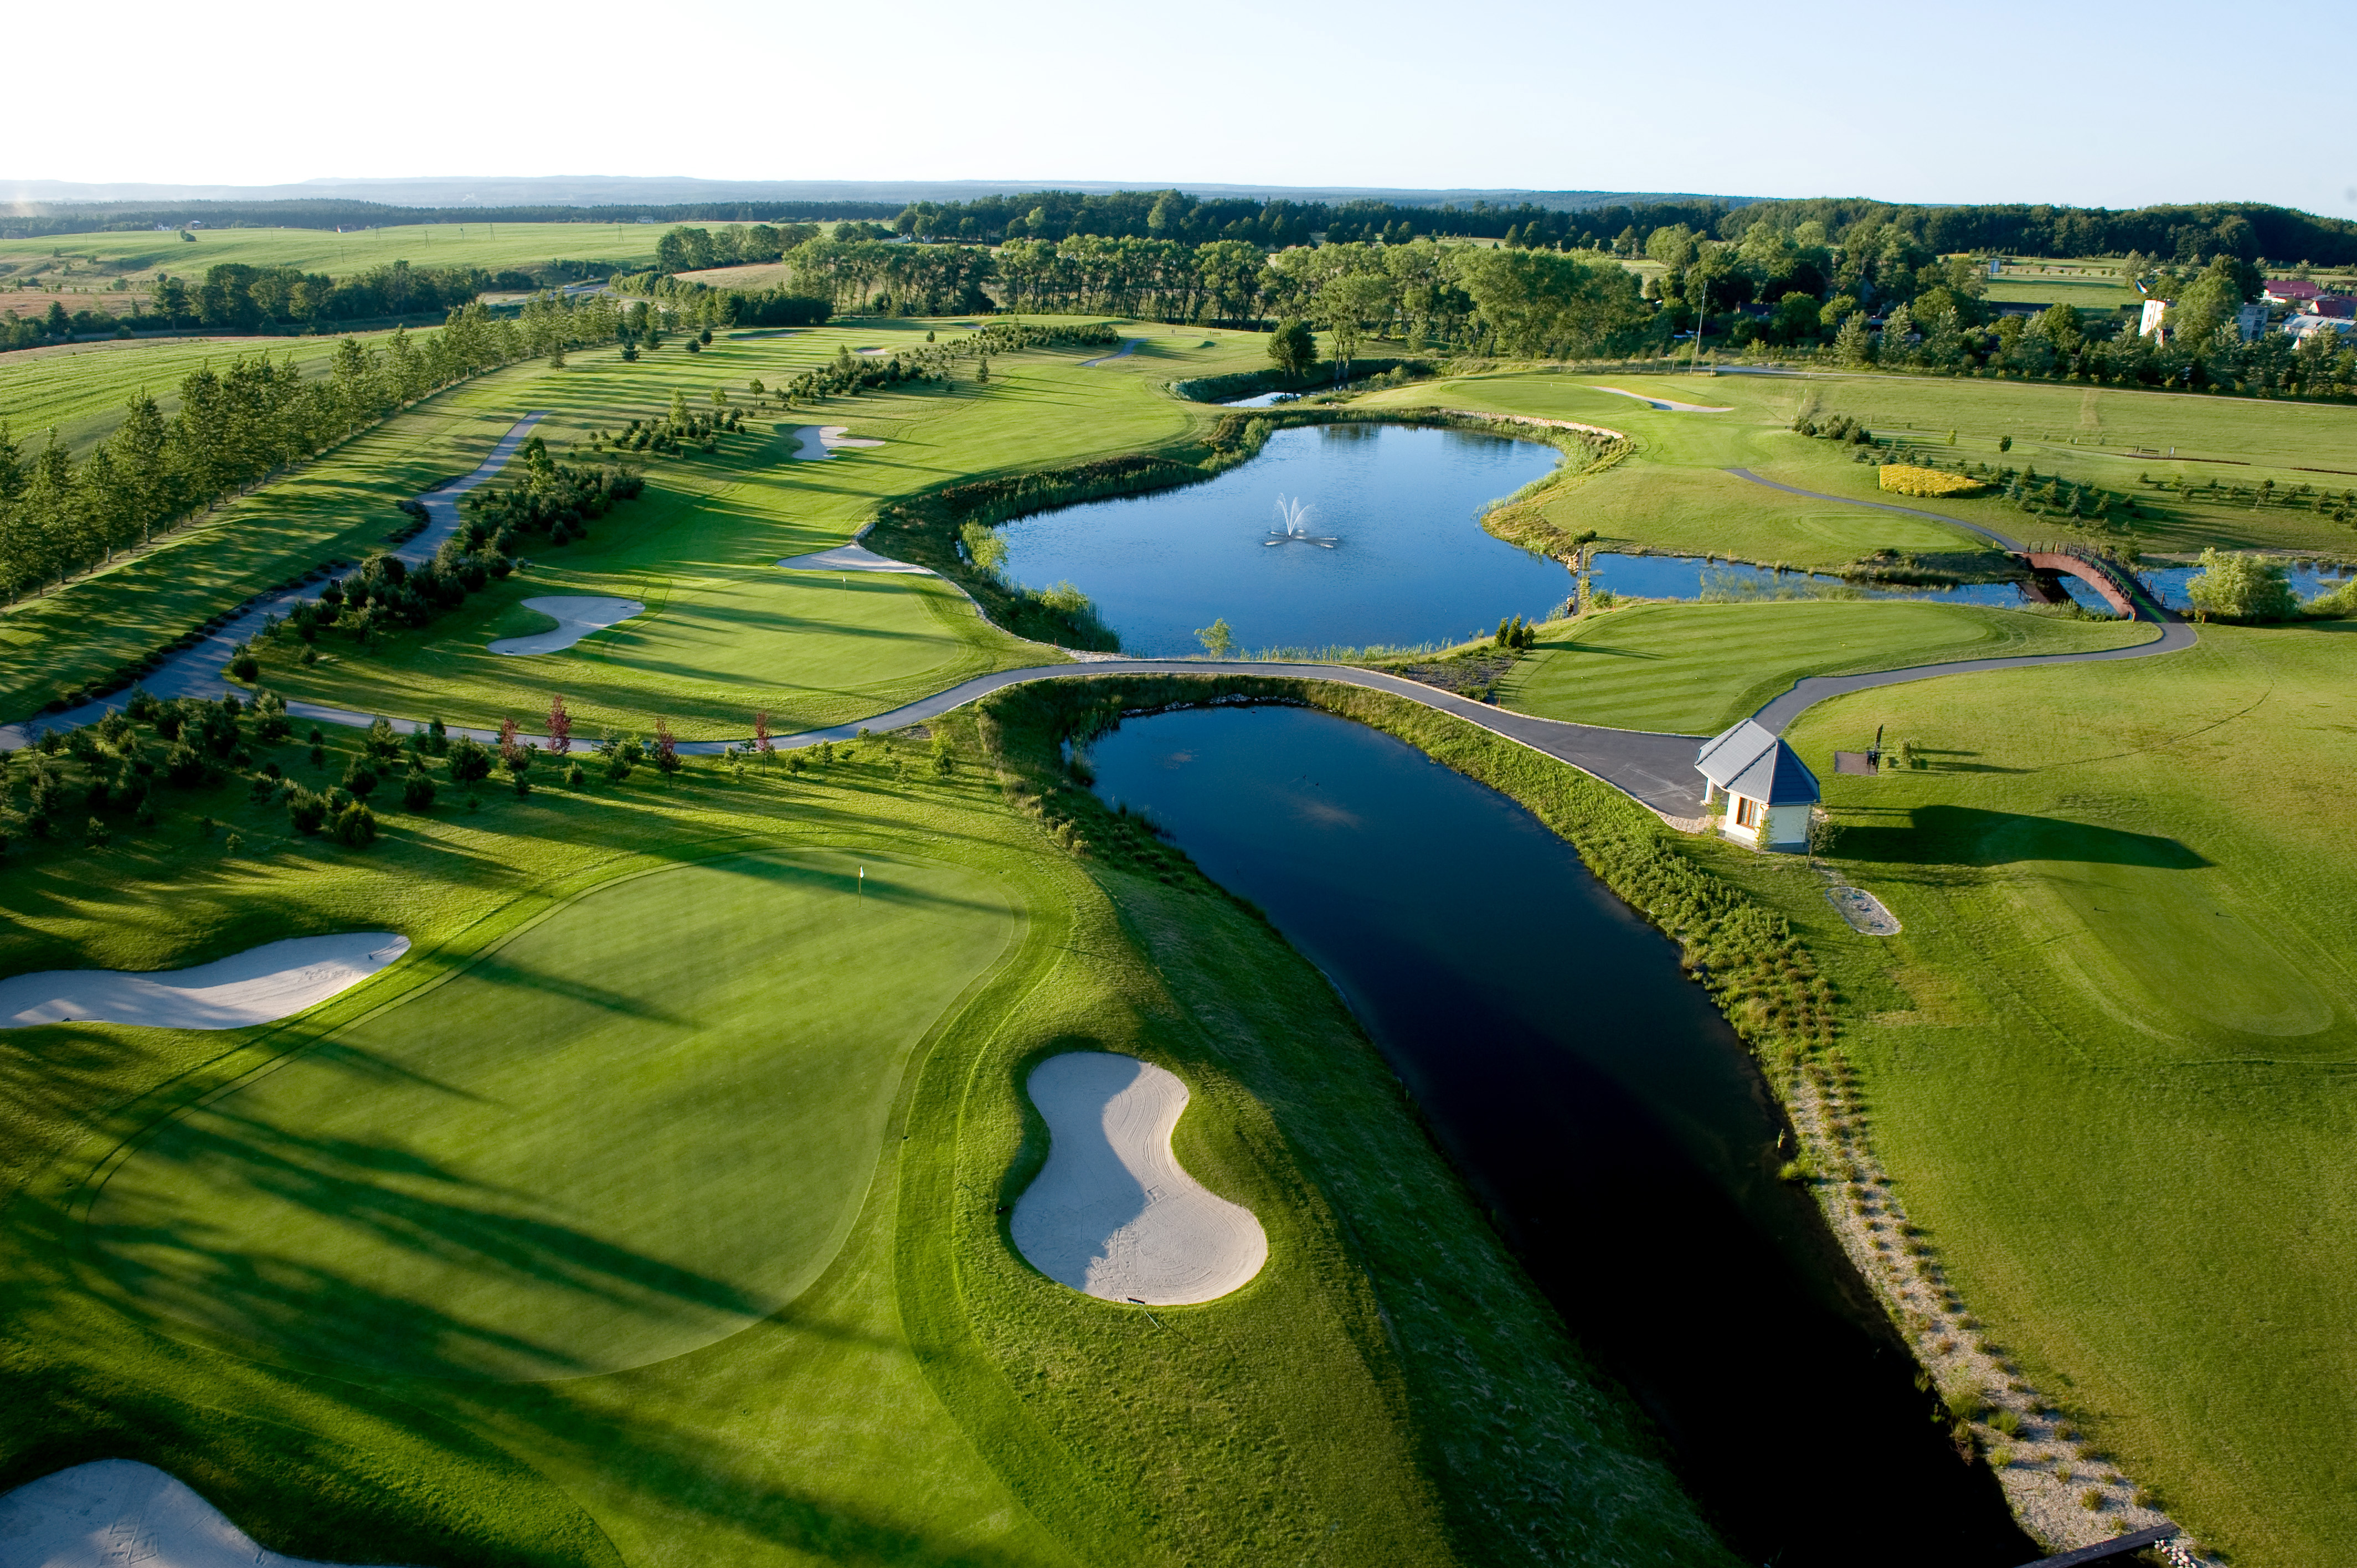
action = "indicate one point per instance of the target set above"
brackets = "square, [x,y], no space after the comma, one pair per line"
[237,425]
[40,219]
[236,298]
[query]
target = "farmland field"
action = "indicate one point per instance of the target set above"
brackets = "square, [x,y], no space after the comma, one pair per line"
[79,259]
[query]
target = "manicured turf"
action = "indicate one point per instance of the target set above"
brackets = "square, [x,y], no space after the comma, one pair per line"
[727,631]
[637,1126]
[81,390]
[927,1398]
[1696,669]
[2108,1058]
[1672,495]
[491,246]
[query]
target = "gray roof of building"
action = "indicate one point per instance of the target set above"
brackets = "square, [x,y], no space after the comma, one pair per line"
[1747,759]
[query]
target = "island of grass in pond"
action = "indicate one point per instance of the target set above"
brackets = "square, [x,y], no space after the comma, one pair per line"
[1410,563]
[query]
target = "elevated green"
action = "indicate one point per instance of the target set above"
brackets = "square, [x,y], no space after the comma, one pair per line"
[1696,669]
[639,1125]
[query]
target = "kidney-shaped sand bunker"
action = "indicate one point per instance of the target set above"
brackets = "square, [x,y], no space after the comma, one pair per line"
[1114,1214]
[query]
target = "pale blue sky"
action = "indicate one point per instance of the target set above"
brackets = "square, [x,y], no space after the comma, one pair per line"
[2106,103]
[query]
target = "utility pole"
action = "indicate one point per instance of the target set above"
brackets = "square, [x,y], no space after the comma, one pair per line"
[1702,311]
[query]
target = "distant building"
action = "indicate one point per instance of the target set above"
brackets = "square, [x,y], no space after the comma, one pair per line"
[2290,291]
[2154,322]
[2334,304]
[1760,780]
[2300,326]
[2251,320]
[646,219]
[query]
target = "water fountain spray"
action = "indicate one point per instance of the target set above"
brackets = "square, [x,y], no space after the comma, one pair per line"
[1295,516]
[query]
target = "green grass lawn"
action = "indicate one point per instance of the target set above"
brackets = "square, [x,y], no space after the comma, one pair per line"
[1696,669]
[491,246]
[2108,1060]
[618,1119]
[726,630]
[81,390]
[1672,496]
[640,1125]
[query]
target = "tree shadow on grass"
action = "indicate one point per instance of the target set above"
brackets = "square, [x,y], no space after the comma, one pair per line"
[1970,836]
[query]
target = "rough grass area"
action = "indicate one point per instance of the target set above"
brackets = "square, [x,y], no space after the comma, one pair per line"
[1696,669]
[2108,1058]
[80,389]
[1672,494]
[926,1399]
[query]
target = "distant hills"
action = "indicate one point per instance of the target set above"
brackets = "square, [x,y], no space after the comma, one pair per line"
[661,191]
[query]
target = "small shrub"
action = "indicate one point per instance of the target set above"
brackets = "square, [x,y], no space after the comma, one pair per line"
[306,811]
[2006,1421]
[576,777]
[470,760]
[356,826]
[417,789]
[2092,1499]
[94,833]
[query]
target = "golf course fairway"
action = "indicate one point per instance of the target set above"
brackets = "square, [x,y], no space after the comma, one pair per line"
[639,1124]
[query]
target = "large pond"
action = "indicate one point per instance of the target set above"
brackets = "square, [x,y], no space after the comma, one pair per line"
[1408,561]
[2307,578]
[1602,1107]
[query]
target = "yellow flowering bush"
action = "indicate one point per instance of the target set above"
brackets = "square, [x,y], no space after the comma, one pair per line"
[1907,479]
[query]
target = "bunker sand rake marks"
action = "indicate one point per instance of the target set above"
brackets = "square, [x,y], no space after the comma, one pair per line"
[1113,1214]
[115,1511]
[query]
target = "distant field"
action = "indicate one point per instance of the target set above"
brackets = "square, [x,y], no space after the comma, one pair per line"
[86,259]
[755,275]
[81,388]
[2086,293]
[27,304]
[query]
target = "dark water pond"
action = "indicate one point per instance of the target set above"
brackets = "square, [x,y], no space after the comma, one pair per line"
[1602,1107]
[1699,578]
[1409,563]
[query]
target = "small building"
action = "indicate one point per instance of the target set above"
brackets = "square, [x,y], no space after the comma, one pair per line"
[2250,320]
[1767,792]
[2300,326]
[2337,305]
[2289,290]
[2154,322]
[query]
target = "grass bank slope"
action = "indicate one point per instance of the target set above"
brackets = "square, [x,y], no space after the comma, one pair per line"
[1696,669]
[2109,1058]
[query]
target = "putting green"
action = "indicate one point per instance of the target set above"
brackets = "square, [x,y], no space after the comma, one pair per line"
[637,1125]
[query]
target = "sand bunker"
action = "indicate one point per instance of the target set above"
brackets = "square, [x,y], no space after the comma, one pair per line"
[1113,1214]
[116,1511]
[1667,405]
[850,558]
[821,440]
[576,615]
[259,985]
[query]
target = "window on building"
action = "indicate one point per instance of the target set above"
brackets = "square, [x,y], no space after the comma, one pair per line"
[1747,812]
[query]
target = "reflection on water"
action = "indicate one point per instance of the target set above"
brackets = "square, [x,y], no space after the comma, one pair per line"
[2307,578]
[1602,1108]
[1411,563]
[1702,577]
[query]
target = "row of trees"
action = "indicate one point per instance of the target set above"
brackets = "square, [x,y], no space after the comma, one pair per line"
[237,425]
[235,297]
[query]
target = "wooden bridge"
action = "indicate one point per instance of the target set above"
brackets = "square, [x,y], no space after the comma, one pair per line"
[2051,563]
